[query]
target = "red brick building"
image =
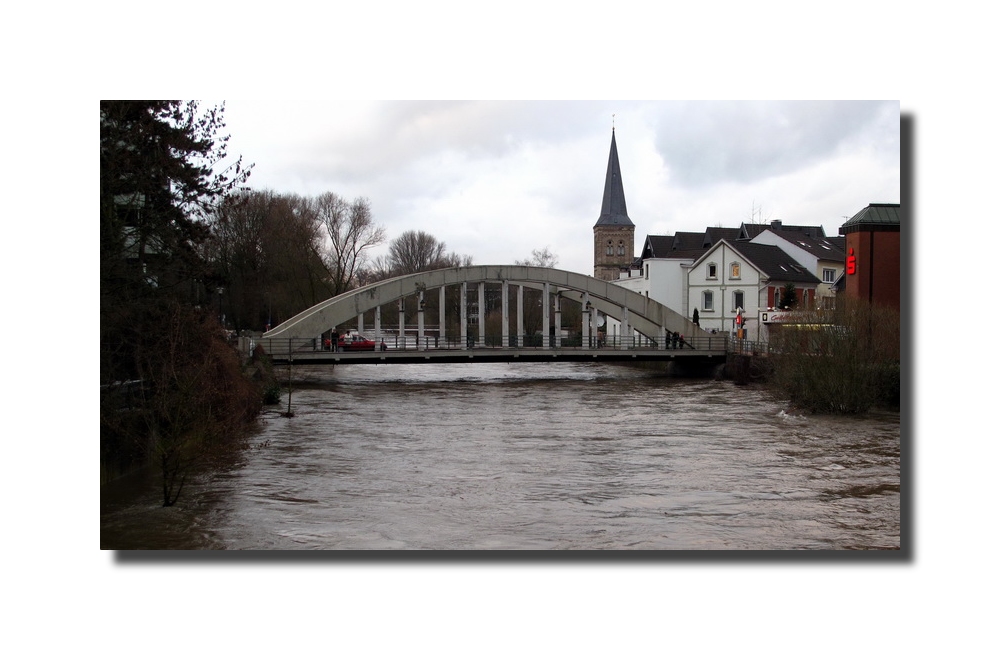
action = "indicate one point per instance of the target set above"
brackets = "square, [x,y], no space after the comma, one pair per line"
[871,269]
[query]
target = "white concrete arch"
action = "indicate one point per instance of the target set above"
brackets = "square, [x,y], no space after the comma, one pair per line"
[652,319]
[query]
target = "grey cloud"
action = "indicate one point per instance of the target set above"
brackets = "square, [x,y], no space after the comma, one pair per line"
[710,142]
[397,135]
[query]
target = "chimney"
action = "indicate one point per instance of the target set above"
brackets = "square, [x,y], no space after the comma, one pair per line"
[776,224]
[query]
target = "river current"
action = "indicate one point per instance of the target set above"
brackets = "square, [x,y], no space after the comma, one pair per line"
[530,457]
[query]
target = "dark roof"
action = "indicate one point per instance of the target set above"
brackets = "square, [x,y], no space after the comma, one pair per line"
[751,230]
[686,245]
[613,210]
[824,248]
[877,216]
[774,262]
[657,246]
[713,235]
[689,241]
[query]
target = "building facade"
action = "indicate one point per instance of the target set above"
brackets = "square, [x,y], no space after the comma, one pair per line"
[873,254]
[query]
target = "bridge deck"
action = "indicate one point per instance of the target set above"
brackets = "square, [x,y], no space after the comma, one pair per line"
[493,355]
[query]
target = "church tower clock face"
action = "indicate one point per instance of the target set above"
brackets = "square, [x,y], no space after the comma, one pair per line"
[614,232]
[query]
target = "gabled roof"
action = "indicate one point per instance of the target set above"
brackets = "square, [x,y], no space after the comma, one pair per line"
[770,260]
[775,263]
[657,246]
[823,248]
[877,216]
[613,210]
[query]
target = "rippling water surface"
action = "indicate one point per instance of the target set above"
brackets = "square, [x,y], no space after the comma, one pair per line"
[531,456]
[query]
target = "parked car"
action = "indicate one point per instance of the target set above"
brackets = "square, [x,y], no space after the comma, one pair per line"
[356,342]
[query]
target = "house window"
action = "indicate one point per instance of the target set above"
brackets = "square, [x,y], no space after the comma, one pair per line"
[738,300]
[734,270]
[621,249]
[712,273]
[707,301]
[829,275]
[611,249]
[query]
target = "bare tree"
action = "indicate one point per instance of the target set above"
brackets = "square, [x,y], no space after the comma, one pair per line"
[540,257]
[352,231]
[415,251]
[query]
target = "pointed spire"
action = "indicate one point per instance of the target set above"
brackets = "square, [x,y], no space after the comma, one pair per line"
[613,210]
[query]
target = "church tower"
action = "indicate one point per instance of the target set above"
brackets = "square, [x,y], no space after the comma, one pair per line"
[614,232]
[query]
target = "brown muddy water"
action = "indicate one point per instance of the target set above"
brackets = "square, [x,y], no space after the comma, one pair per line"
[530,457]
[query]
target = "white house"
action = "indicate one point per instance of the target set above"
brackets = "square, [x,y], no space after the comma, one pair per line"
[746,276]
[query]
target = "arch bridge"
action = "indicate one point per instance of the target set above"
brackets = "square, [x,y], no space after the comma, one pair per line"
[648,329]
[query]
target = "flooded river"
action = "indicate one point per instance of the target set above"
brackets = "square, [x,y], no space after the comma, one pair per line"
[530,456]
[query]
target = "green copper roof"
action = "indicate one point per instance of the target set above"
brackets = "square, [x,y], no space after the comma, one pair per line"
[877,216]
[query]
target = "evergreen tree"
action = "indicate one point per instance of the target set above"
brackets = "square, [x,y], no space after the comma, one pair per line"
[158,182]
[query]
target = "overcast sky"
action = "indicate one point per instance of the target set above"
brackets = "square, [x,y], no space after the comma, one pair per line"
[496,180]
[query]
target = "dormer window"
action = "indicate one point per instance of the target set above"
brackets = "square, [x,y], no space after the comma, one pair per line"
[712,271]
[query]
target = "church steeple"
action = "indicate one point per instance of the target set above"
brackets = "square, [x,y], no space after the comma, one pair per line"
[613,210]
[614,232]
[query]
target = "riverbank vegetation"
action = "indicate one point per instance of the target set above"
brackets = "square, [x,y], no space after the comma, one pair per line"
[846,360]
[174,390]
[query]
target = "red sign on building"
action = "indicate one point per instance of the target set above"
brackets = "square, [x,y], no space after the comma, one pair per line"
[852,263]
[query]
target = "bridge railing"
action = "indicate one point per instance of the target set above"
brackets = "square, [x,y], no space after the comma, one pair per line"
[390,342]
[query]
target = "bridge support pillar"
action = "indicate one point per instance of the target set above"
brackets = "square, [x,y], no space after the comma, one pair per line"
[481,311]
[361,322]
[520,316]
[420,320]
[626,332]
[585,321]
[402,324]
[463,316]
[593,326]
[505,314]
[546,341]
[558,313]
[441,328]
[378,321]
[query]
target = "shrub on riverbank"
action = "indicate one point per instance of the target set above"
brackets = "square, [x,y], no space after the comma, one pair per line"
[193,401]
[846,363]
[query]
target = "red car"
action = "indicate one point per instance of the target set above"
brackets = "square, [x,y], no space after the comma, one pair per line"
[352,342]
